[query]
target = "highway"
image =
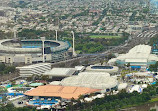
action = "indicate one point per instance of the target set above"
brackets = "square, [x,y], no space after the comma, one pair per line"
[141,38]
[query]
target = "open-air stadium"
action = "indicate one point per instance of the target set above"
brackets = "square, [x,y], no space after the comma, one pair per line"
[98,68]
[29,51]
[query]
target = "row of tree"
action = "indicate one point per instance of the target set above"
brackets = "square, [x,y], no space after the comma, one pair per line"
[84,44]
[36,34]
[10,107]
[4,69]
[111,102]
[115,102]
[154,67]
[154,40]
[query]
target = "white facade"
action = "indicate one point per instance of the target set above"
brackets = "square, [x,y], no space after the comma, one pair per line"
[30,51]
[140,55]
[35,69]
[80,68]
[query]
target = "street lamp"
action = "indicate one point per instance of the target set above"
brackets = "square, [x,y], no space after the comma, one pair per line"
[56,35]
[43,39]
[14,32]
[73,49]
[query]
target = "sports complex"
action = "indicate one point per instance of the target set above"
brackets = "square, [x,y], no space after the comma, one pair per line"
[31,51]
[98,68]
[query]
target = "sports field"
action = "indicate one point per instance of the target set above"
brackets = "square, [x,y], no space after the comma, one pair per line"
[104,36]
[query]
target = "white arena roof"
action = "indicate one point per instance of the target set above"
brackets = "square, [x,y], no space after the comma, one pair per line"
[140,54]
[93,80]
[34,66]
[60,72]
[102,68]
[80,68]
[94,73]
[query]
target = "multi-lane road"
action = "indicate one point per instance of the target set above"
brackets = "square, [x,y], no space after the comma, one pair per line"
[136,39]
[140,38]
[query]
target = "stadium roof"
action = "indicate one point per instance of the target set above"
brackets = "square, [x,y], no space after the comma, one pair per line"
[113,69]
[61,72]
[7,48]
[80,68]
[66,92]
[91,80]
[140,53]
[36,84]
[35,65]
[94,73]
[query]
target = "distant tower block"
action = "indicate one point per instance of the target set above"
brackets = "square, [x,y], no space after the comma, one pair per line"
[56,35]
[73,52]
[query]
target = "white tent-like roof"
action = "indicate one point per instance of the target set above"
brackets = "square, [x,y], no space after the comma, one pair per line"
[122,86]
[93,80]
[139,54]
[60,72]
[55,83]
[141,74]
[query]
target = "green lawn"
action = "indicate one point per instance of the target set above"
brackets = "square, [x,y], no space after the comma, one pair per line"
[104,36]
[154,99]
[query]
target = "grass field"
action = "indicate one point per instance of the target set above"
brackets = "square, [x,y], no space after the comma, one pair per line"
[154,99]
[104,36]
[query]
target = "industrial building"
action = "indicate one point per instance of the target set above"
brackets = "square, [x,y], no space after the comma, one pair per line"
[138,57]
[35,69]
[32,51]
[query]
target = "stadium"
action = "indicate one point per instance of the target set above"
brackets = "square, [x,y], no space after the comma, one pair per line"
[138,57]
[31,51]
[95,80]
[98,68]
[84,83]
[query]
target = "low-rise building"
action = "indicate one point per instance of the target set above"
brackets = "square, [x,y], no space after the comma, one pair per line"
[35,69]
[60,72]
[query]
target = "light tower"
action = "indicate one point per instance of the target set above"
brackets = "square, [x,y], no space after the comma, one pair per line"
[43,39]
[73,49]
[14,33]
[56,35]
